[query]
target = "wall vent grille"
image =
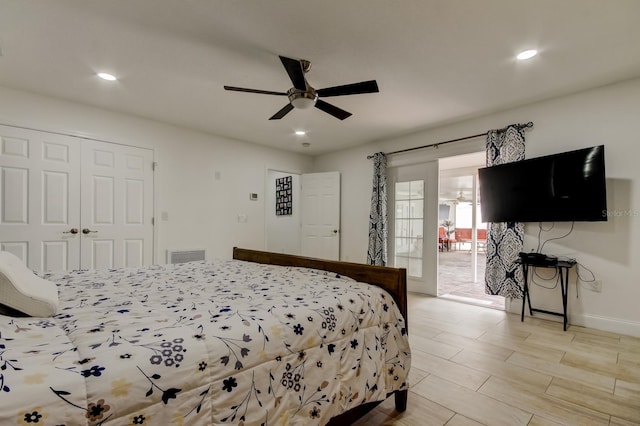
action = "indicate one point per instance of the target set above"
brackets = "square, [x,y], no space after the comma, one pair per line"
[182,256]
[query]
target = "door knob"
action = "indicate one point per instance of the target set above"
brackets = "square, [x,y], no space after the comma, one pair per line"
[71,231]
[87,231]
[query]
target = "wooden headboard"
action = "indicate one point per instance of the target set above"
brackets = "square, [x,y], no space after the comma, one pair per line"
[394,280]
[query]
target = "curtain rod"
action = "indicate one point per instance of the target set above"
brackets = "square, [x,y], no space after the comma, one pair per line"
[437,144]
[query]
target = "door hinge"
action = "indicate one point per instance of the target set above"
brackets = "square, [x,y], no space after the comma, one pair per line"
[154,165]
[153,221]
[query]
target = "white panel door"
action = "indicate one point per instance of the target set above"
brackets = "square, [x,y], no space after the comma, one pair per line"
[40,198]
[117,206]
[321,215]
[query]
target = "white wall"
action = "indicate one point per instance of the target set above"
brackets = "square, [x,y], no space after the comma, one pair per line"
[203,209]
[606,115]
[283,232]
[202,181]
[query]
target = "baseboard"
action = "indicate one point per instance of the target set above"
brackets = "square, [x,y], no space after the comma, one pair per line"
[419,288]
[598,322]
[614,325]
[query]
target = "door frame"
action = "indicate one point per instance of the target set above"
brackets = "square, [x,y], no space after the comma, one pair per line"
[423,156]
[267,205]
[473,172]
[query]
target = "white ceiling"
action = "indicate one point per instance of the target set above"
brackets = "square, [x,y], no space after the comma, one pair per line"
[435,61]
[456,175]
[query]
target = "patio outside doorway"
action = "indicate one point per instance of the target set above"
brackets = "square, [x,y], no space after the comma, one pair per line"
[461,263]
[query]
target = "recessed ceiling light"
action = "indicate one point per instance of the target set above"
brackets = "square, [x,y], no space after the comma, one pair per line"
[107,76]
[300,132]
[527,54]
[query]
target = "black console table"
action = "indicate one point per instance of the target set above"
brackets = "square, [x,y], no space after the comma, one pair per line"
[563,267]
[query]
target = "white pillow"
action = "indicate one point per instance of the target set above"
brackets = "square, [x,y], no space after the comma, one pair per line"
[24,291]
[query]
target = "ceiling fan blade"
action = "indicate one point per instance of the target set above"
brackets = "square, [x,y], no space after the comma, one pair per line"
[284,111]
[295,71]
[350,89]
[263,92]
[332,109]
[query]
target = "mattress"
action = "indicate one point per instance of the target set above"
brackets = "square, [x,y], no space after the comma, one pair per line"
[202,343]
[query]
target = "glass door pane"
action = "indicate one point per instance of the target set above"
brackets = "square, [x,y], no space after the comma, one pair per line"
[409,225]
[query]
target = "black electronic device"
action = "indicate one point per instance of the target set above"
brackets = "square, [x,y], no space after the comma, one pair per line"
[538,259]
[565,187]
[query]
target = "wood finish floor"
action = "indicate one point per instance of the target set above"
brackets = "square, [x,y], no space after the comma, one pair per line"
[479,366]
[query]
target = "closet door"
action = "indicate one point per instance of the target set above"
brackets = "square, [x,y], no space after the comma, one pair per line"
[68,203]
[117,206]
[39,198]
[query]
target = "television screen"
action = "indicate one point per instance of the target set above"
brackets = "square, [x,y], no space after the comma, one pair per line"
[569,186]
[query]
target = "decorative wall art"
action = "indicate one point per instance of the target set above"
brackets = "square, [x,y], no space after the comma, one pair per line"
[284,196]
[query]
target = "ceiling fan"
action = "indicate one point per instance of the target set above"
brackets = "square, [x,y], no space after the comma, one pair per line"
[303,96]
[460,198]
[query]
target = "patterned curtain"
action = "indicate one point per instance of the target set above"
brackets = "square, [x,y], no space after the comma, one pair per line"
[377,252]
[504,240]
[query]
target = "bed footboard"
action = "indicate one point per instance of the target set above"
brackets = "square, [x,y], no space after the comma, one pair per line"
[393,280]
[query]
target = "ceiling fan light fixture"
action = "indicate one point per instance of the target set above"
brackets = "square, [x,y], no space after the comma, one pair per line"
[303,100]
[303,103]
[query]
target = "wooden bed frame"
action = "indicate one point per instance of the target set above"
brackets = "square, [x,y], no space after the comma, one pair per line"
[393,280]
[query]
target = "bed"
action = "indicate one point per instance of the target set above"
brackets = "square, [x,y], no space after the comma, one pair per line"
[262,339]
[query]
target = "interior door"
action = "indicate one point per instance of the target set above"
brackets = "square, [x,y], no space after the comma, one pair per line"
[413,219]
[117,206]
[321,215]
[69,203]
[40,198]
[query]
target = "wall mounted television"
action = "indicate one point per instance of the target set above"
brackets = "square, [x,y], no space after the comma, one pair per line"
[564,187]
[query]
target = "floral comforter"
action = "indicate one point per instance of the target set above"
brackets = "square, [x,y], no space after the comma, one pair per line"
[224,342]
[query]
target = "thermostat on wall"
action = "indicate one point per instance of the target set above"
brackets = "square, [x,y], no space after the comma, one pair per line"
[253,196]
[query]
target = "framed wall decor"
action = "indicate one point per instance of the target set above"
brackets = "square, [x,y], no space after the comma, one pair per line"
[284,197]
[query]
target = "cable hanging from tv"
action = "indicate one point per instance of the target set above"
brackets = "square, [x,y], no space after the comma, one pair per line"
[519,126]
